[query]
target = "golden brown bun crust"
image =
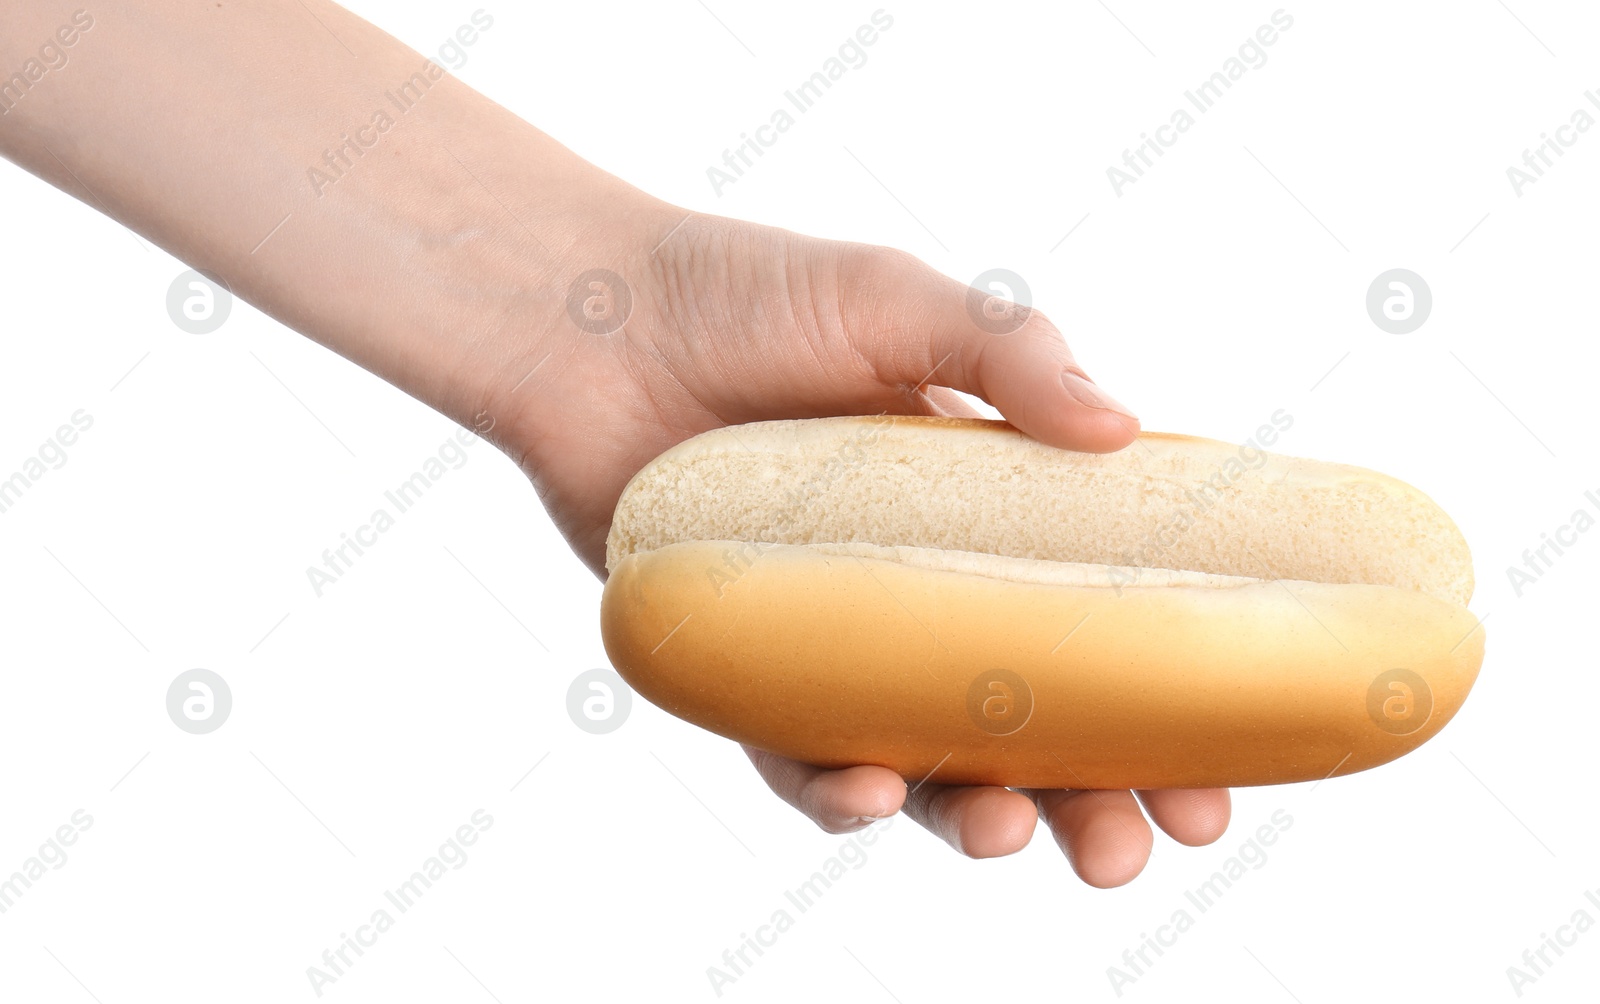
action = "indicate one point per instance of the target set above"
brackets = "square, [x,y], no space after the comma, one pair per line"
[837,660]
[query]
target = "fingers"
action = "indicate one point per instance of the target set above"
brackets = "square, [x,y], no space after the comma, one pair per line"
[1192,816]
[839,801]
[1103,833]
[917,326]
[944,401]
[980,822]
[1031,377]
[1106,838]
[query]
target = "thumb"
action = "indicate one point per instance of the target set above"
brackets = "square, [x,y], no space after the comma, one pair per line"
[918,327]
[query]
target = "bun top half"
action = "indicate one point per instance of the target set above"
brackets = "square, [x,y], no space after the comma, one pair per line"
[1167,510]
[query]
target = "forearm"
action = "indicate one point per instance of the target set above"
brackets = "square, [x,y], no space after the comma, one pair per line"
[331,175]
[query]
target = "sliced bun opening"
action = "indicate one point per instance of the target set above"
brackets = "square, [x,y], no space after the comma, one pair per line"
[1030,571]
[1193,511]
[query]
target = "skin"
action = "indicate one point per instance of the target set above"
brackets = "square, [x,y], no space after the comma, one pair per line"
[442,257]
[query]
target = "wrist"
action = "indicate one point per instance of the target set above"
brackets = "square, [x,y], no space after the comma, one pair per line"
[546,304]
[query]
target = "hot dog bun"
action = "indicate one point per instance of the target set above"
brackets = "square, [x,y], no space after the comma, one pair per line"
[948,597]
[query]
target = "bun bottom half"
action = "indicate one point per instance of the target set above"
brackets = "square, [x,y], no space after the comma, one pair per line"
[838,657]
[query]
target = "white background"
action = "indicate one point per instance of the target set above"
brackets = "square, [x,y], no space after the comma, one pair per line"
[370,723]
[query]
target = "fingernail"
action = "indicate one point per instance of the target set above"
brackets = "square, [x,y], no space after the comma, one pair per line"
[865,820]
[1088,394]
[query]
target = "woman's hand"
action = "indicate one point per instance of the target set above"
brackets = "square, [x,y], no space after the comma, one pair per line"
[450,254]
[728,322]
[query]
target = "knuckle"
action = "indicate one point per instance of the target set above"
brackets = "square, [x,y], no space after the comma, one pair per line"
[876,259]
[694,256]
[1037,320]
